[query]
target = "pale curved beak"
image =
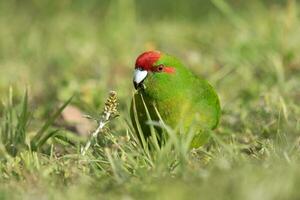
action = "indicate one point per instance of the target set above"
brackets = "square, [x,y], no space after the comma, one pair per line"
[139,76]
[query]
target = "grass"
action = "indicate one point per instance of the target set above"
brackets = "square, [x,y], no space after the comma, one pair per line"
[55,49]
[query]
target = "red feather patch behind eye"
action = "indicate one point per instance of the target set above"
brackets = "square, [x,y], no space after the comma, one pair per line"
[169,70]
[162,68]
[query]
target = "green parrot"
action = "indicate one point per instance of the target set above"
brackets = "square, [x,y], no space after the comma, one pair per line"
[169,91]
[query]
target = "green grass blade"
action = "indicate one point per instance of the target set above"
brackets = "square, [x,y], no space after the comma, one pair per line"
[154,138]
[47,124]
[44,139]
[23,121]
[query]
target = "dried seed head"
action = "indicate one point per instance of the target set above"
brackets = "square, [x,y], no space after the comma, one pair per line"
[111,104]
[110,111]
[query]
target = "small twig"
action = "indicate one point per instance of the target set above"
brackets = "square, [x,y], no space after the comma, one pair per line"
[109,112]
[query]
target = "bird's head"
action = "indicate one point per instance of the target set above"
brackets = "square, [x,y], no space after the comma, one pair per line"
[154,64]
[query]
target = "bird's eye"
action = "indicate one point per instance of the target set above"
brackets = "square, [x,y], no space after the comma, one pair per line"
[160,68]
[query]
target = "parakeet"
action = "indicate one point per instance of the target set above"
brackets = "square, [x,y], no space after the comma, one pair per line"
[172,92]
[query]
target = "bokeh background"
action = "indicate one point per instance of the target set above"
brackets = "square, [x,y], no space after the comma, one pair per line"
[57,48]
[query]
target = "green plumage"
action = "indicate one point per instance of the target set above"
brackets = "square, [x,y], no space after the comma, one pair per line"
[181,98]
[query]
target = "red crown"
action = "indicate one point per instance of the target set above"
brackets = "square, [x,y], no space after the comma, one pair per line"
[147,59]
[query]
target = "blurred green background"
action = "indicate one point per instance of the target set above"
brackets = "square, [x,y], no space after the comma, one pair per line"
[248,50]
[56,48]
